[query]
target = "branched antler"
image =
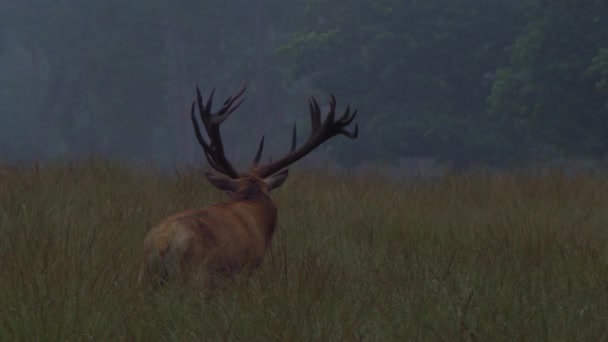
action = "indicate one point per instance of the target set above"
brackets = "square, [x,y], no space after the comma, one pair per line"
[214,151]
[321,131]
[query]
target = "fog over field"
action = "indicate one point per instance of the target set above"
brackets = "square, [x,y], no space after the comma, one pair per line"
[437,83]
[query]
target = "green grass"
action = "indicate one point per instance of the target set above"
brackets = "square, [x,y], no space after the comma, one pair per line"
[470,257]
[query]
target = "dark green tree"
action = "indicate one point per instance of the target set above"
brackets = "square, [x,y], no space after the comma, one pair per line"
[419,70]
[552,96]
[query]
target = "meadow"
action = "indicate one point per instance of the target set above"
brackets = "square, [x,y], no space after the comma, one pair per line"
[468,257]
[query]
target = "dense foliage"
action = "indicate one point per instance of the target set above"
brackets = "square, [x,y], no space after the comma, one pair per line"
[466,81]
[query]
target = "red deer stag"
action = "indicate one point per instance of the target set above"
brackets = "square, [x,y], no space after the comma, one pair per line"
[231,236]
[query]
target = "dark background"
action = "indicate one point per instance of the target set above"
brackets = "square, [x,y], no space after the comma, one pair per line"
[457,82]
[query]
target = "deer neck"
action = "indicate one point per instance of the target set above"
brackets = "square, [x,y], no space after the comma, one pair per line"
[262,205]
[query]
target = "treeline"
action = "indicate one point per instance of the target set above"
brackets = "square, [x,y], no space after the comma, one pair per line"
[465,81]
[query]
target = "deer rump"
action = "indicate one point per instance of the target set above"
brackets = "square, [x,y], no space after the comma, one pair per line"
[222,239]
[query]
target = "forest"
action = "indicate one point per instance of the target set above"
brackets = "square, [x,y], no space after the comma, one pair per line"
[465,82]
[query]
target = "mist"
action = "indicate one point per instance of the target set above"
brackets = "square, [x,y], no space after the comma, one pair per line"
[437,84]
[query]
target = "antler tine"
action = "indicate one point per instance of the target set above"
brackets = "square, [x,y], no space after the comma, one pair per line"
[258,154]
[346,113]
[237,94]
[293,139]
[332,107]
[321,131]
[201,110]
[208,149]
[315,113]
[210,102]
[352,134]
[346,119]
[197,129]
[236,106]
[215,165]
[329,119]
[241,90]
[214,151]
[229,107]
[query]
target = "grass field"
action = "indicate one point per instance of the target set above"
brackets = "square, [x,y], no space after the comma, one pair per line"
[469,257]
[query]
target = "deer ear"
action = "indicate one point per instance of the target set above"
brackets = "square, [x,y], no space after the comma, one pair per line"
[222,182]
[276,180]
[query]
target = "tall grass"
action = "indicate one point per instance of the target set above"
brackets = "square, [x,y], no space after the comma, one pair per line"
[468,257]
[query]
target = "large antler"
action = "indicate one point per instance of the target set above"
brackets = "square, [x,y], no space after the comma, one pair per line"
[321,132]
[214,151]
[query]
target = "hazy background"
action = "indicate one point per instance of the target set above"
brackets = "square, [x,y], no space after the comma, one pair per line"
[436,82]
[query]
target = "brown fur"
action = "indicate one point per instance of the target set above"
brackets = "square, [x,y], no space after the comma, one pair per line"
[226,237]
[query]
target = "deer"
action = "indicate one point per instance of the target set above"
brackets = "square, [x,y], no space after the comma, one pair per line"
[233,236]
